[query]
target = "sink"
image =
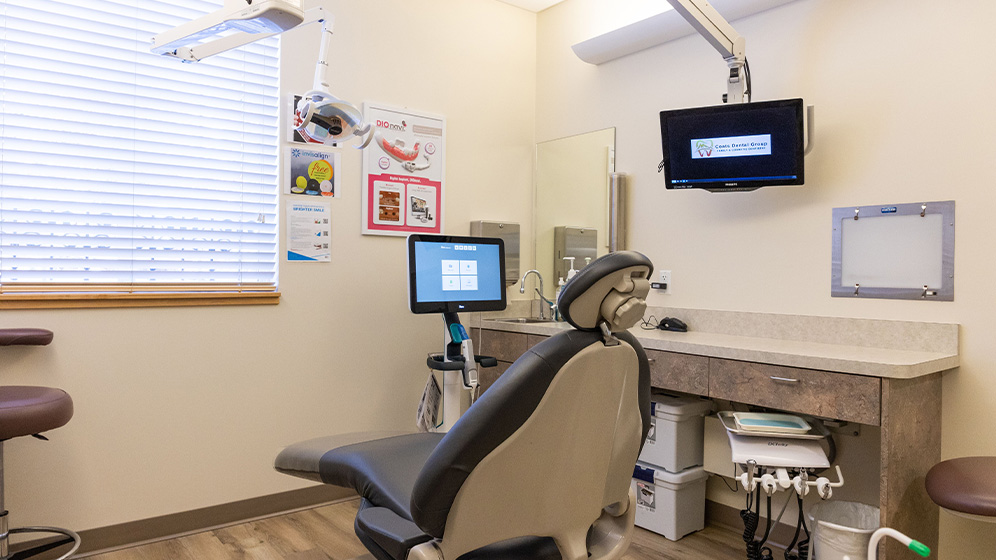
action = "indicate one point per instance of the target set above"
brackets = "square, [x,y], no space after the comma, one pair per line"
[522,320]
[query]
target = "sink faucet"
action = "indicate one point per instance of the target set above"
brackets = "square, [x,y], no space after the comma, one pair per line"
[539,291]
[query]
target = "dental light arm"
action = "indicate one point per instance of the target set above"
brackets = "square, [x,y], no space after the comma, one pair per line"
[721,35]
[324,118]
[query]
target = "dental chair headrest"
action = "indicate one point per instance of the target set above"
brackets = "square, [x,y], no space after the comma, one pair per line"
[613,288]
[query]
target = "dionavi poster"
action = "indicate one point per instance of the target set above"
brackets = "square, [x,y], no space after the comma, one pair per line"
[403,170]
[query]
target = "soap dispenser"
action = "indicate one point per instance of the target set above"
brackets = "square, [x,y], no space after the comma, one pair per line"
[556,299]
[572,271]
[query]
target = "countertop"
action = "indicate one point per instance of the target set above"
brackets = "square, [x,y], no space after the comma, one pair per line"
[861,359]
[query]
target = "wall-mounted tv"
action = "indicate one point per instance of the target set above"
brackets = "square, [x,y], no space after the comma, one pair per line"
[737,147]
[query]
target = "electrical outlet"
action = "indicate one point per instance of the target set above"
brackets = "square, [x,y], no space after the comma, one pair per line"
[665,276]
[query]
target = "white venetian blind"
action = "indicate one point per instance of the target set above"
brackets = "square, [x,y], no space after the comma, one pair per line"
[121,170]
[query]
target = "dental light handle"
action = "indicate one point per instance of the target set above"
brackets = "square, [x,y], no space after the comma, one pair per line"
[322,66]
[914,545]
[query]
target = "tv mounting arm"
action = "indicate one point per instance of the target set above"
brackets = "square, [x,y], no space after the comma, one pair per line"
[721,35]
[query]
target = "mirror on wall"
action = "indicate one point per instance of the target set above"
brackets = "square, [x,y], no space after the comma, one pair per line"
[572,185]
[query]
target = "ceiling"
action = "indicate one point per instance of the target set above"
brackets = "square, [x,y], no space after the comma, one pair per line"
[532,5]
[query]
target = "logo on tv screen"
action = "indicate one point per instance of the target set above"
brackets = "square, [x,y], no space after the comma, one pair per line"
[731,146]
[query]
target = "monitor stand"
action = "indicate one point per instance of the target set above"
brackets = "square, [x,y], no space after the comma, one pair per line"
[459,366]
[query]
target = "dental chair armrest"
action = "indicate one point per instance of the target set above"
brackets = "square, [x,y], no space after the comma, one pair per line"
[395,534]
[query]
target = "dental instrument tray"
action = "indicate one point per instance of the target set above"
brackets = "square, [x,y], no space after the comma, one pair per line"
[772,422]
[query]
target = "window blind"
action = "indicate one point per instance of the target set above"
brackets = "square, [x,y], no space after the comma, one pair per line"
[124,171]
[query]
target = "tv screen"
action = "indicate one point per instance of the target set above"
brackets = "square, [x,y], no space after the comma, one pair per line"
[448,273]
[737,147]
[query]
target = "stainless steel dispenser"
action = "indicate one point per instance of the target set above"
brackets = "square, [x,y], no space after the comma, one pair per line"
[509,233]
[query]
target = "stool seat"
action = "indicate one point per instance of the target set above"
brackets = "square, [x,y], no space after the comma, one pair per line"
[25,337]
[964,485]
[31,410]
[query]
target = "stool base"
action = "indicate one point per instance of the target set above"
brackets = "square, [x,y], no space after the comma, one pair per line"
[23,554]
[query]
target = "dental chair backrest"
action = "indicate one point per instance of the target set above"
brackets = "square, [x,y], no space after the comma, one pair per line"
[549,449]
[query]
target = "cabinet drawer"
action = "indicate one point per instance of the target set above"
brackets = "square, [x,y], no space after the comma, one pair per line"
[679,372]
[506,346]
[842,396]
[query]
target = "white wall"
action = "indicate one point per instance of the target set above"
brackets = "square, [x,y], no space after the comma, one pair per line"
[183,408]
[903,115]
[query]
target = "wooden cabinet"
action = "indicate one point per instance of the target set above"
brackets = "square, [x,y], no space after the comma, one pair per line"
[679,372]
[908,411]
[840,396]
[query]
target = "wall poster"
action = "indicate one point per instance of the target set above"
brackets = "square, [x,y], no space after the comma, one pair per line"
[313,171]
[403,170]
[309,231]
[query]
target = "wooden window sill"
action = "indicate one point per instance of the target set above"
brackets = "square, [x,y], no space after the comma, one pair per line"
[107,300]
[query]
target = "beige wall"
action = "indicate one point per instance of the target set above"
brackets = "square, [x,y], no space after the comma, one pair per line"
[183,408]
[902,115]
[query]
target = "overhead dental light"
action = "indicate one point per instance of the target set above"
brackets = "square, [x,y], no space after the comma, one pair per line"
[320,116]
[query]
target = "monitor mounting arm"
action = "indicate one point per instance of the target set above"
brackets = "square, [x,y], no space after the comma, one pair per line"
[721,35]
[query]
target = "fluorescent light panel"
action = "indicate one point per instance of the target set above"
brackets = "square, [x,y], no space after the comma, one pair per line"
[659,29]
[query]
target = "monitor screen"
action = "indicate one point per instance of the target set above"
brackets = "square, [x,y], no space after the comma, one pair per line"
[733,147]
[447,273]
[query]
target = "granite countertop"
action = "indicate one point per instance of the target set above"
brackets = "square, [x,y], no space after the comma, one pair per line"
[862,357]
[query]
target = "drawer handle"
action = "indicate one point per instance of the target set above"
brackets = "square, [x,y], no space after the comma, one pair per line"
[784,379]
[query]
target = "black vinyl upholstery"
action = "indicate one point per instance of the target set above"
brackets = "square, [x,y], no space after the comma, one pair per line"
[374,470]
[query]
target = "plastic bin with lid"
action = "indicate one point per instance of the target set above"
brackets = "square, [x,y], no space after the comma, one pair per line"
[676,430]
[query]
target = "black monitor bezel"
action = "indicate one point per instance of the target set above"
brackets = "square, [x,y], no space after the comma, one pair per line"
[743,185]
[454,306]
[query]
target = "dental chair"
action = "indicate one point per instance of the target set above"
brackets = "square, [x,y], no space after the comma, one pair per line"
[538,467]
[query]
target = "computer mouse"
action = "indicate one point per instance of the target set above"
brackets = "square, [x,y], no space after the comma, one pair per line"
[672,324]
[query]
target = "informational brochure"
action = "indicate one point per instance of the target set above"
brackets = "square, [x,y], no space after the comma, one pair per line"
[313,171]
[309,231]
[403,170]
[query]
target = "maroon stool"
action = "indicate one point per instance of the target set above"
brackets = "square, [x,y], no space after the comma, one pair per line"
[28,411]
[965,486]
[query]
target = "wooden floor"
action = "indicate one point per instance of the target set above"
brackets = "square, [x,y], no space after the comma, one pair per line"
[326,533]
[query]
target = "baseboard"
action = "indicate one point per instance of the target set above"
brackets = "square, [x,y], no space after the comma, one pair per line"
[134,533]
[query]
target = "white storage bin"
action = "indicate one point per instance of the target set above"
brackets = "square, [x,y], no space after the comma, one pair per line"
[671,504]
[675,439]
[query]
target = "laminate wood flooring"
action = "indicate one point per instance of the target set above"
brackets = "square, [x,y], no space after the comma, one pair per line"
[326,533]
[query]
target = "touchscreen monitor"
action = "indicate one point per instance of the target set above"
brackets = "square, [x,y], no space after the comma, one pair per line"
[448,273]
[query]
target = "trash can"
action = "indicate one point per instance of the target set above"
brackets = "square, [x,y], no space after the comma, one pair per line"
[842,529]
